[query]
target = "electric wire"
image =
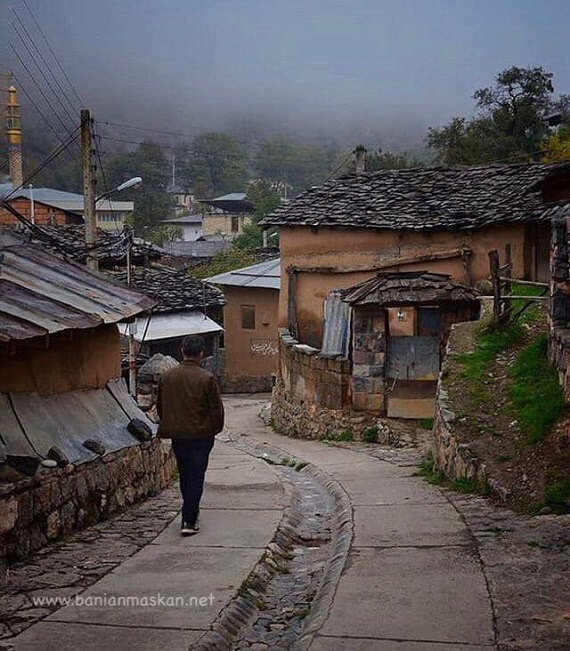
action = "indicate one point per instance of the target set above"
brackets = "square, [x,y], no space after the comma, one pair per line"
[61,148]
[33,103]
[62,93]
[66,129]
[39,27]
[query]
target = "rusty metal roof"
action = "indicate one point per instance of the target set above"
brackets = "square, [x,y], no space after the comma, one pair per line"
[42,294]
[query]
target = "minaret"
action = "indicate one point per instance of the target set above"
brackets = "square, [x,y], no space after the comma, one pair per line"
[14,138]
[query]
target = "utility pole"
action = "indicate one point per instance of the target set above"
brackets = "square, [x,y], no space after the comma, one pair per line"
[132,327]
[88,190]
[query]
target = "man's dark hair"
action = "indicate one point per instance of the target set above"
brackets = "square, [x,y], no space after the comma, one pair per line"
[193,345]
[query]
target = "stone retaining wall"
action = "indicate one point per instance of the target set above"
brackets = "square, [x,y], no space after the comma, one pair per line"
[452,457]
[56,501]
[247,384]
[559,353]
[312,395]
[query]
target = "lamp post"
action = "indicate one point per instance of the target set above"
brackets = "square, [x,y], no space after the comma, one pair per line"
[89,217]
[131,183]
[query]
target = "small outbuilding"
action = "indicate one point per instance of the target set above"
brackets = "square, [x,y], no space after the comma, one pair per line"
[250,322]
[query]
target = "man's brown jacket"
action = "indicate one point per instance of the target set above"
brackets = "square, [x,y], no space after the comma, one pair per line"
[189,403]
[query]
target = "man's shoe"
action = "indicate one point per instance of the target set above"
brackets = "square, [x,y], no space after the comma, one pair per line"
[189,530]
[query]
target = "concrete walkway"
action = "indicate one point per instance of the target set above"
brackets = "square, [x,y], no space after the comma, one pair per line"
[242,505]
[412,580]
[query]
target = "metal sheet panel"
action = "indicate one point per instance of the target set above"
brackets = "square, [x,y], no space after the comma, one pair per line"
[12,436]
[413,358]
[118,389]
[43,294]
[266,275]
[169,326]
[67,420]
[336,326]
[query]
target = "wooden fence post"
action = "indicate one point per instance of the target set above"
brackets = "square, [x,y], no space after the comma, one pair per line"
[494,268]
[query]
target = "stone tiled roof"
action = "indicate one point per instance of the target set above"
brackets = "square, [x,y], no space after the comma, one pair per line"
[174,289]
[460,198]
[405,288]
[111,249]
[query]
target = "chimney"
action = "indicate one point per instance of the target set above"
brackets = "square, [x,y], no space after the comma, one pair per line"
[360,153]
[14,139]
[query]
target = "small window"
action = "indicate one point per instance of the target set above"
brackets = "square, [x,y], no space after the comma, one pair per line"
[235,223]
[248,317]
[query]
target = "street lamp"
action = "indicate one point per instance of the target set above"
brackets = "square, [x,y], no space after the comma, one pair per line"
[131,183]
[89,218]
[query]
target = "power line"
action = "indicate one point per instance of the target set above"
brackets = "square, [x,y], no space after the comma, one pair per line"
[46,64]
[42,73]
[40,89]
[23,88]
[340,166]
[53,53]
[73,137]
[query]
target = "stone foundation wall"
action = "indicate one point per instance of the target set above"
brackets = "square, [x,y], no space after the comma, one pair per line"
[309,377]
[369,348]
[301,419]
[559,308]
[246,384]
[559,354]
[56,501]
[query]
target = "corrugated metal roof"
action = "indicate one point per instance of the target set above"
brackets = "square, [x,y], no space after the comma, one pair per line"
[171,326]
[42,294]
[266,275]
[70,201]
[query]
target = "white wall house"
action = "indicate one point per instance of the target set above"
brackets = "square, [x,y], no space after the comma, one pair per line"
[190,226]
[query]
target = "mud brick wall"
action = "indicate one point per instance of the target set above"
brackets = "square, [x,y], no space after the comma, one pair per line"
[57,501]
[368,354]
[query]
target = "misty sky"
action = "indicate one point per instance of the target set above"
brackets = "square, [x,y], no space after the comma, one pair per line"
[360,64]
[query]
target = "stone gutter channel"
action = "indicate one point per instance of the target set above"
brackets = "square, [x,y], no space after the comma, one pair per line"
[286,597]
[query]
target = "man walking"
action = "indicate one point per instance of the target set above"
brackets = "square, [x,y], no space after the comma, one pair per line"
[191,414]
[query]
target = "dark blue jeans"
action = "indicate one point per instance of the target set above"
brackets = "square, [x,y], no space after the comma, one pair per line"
[192,460]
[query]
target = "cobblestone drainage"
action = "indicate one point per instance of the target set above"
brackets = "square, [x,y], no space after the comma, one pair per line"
[286,597]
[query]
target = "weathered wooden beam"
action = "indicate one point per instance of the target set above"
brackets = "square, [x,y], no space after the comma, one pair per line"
[523,282]
[387,264]
[494,269]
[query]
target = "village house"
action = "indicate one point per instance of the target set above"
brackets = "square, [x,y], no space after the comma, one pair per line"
[250,324]
[231,213]
[47,206]
[184,306]
[70,452]
[189,226]
[441,221]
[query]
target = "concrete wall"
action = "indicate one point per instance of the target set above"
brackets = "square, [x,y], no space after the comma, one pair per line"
[364,249]
[214,224]
[58,501]
[252,355]
[43,215]
[87,361]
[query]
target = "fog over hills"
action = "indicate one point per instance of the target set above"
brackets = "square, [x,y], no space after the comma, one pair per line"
[330,71]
